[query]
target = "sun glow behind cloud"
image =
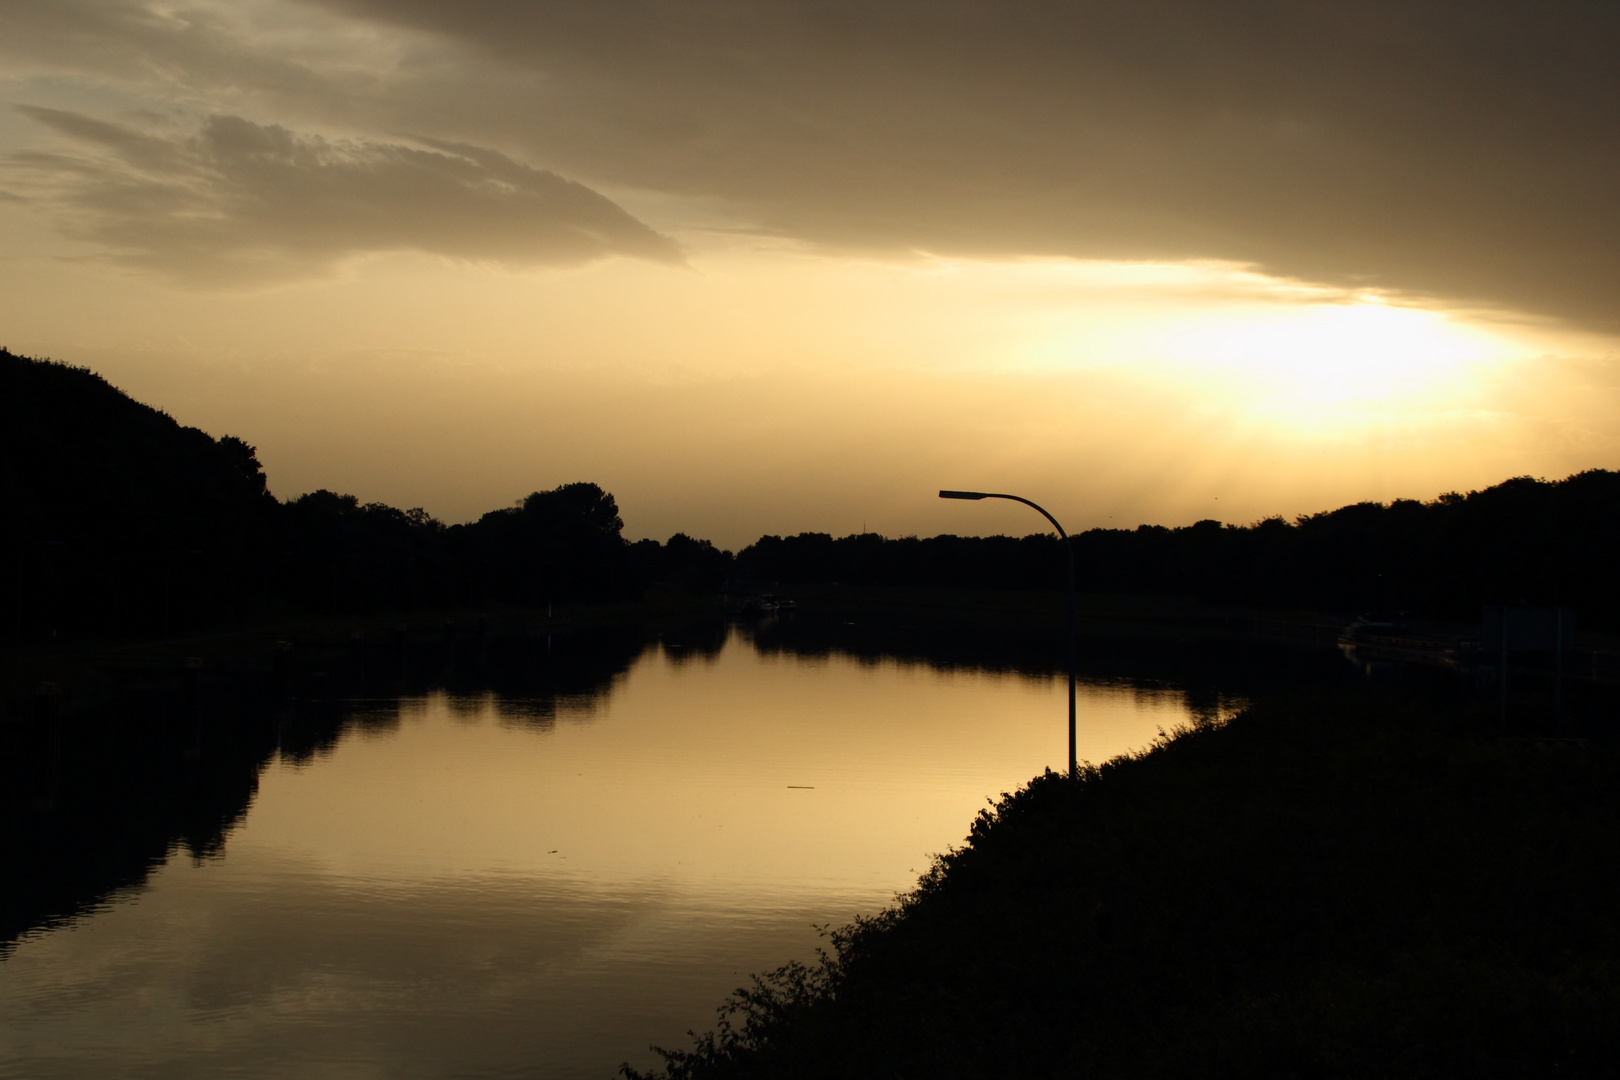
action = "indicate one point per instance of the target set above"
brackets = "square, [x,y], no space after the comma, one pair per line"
[1303,358]
[772,387]
[1324,356]
[1319,375]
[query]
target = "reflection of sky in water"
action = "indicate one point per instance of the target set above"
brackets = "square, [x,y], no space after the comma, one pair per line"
[483,889]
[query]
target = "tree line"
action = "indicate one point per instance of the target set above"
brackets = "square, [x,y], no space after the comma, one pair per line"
[1524,541]
[122,522]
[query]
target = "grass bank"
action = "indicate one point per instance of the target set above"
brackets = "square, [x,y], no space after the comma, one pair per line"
[1343,887]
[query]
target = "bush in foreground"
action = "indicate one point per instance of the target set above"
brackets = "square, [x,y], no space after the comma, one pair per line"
[1315,889]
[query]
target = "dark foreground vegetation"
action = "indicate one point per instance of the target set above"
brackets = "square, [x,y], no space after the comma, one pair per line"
[1318,888]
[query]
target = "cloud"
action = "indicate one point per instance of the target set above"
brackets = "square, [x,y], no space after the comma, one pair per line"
[237,201]
[1459,149]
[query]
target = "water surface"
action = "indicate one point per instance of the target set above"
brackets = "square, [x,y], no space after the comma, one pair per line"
[488,884]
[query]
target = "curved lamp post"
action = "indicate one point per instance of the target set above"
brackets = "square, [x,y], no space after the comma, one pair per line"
[1068,546]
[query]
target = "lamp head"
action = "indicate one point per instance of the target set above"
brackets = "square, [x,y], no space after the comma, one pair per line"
[964,494]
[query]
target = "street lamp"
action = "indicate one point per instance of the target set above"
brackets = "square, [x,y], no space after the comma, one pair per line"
[1068,546]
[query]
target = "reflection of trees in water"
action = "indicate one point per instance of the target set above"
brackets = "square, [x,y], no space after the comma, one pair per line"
[1207,671]
[93,803]
[306,731]
[530,682]
[869,641]
[699,641]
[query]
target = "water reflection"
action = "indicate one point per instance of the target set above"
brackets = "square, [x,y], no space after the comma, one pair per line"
[521,861]
[266,967]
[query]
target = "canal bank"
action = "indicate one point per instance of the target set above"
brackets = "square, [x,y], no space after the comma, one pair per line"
[1324,886]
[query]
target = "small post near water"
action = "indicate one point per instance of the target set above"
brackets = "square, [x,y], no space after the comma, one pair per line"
[1068,545]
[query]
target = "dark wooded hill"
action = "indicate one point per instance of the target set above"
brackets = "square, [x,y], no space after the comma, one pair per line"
[121,522]
[112,505]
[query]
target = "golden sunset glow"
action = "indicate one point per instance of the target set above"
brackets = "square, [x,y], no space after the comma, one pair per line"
[520,519]
[343,252]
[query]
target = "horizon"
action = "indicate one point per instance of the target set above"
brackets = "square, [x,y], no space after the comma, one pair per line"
[1437,498]
[769,269]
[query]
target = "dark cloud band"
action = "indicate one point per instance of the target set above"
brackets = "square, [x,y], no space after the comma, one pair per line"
[238,200]
[1456,149]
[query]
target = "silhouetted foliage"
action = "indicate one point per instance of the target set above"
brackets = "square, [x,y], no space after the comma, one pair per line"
[121,522]
[342,556]
[563,544]
[119,519]
[1337,886]
[695,565]
[1524,541]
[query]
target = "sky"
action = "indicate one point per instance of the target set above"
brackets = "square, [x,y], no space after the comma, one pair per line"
[763,267]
